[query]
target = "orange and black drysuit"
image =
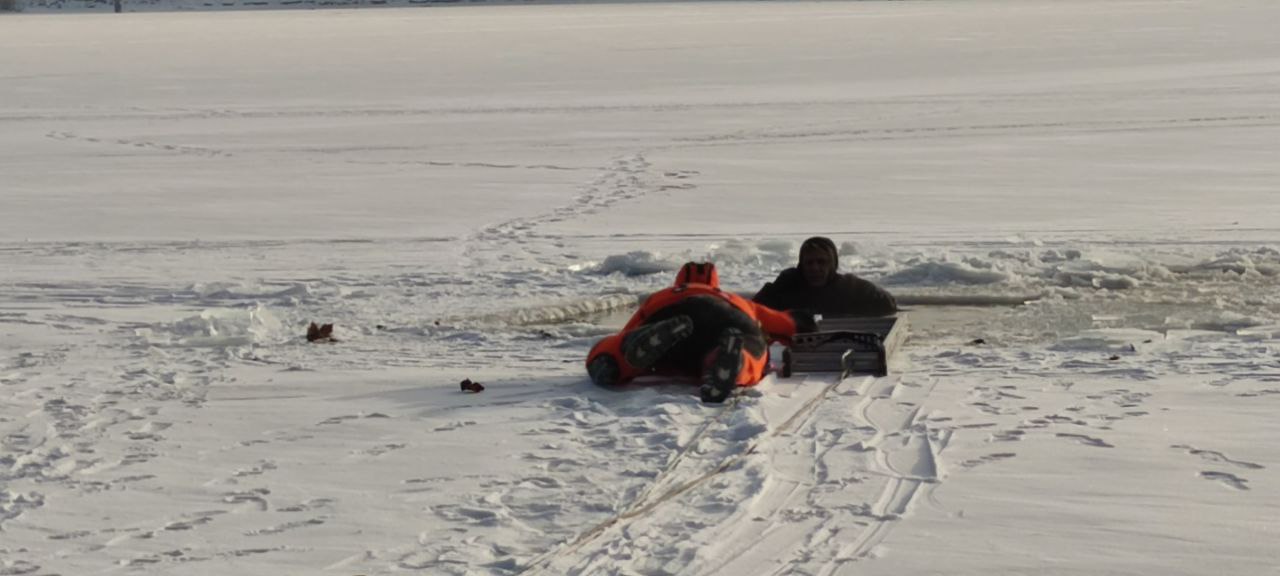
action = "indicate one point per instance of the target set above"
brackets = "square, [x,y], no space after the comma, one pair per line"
[697,295]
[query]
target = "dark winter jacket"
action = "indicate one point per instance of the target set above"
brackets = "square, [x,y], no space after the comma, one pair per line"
[842,295]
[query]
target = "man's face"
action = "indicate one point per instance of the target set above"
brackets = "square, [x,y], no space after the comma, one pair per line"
[817,266]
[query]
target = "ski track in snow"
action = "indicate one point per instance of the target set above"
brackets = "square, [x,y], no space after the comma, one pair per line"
[140,144]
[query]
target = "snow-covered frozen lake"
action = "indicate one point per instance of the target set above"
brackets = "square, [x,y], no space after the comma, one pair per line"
[181,193]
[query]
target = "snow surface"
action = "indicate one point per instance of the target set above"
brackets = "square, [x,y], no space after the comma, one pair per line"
[1078,200]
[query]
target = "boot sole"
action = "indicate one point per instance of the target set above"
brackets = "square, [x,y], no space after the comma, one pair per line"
[720,378]
[647,344]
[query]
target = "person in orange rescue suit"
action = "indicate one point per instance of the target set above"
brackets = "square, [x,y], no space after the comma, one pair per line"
[694,329]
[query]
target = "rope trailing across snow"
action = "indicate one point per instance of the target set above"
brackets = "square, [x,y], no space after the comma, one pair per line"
[906,299]
[646,502]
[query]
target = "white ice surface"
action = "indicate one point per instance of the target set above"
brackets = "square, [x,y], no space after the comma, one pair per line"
[181,193]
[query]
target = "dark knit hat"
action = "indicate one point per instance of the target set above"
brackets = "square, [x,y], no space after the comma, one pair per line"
[821,243]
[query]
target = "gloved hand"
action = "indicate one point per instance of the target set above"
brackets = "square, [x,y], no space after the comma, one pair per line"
[804,319]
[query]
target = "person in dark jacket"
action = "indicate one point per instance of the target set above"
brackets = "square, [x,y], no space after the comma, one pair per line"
[816,285]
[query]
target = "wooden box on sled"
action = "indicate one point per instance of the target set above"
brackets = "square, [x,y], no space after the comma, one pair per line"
[847,345]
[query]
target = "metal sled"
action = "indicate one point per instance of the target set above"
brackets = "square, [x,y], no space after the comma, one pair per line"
[847,345]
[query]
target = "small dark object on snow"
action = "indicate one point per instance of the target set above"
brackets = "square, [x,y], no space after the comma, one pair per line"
[977,341]
[469,386]
[317,333]
[1114,357]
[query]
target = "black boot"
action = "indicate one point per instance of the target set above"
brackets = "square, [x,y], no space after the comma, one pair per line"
[720,375]
[644,346]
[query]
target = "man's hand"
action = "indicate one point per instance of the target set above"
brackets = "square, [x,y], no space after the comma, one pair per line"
[804,319]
